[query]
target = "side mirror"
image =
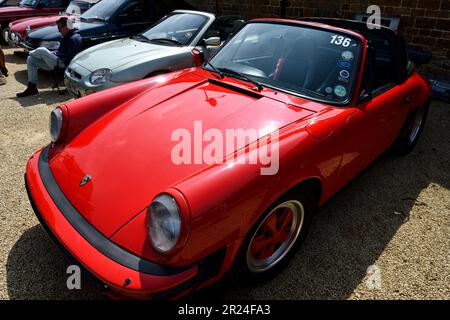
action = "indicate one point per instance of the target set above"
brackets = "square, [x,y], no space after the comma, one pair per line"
[198,57]
[212,42]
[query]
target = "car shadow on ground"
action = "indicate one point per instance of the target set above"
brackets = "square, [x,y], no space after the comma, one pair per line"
[347,235]
[47,95]
[36,269]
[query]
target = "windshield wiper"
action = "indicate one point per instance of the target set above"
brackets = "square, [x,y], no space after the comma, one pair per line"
[140,37]
[167,40]
[213,67]
[93,19]
[241,76]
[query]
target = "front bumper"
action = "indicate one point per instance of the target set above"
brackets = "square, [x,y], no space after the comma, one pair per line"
[77,80]
[119,272]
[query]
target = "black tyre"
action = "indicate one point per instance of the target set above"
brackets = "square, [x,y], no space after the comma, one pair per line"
[411,131]
[275,238]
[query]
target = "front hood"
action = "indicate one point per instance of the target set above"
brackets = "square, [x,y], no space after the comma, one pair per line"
[114,54]
[14,11]
[85,29]
[128,152]
[35,22]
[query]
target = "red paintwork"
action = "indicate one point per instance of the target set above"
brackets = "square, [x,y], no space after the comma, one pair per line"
[121,137]
[9,14]
[272,234]
[19,26]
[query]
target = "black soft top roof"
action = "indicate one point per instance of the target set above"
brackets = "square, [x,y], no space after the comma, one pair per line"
[395,40]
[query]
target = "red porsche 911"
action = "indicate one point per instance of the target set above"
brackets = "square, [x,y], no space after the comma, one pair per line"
[159,187]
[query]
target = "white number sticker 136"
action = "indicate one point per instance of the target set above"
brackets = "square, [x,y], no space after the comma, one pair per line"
[340,40]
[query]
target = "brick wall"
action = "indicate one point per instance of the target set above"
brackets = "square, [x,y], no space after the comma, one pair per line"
[425,24]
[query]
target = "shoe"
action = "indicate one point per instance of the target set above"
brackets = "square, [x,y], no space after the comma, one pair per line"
[31,90]
[4,71]
[2,81]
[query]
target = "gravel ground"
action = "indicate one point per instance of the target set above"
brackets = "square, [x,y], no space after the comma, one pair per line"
[393,220]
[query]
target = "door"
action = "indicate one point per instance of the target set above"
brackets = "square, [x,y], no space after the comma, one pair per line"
[376,121]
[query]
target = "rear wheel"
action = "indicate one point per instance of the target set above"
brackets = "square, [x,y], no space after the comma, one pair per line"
[411,131]
[275,238]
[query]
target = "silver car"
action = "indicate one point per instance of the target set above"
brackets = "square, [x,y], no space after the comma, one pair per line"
[165,47]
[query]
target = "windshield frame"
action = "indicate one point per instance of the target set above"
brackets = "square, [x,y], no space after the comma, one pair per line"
[305,24]
[173,13]
[110,18]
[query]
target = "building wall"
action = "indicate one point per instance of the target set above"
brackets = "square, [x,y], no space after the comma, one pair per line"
[425,24]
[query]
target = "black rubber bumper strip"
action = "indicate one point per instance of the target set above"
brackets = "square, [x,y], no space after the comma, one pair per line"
[92,235]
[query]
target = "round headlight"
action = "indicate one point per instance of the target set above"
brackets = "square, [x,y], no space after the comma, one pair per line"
[164,223]
[27,29]
[100,76]
[6,35]
[56,122]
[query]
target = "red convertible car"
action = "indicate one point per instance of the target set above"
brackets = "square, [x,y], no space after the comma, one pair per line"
[121,192]
[17,30]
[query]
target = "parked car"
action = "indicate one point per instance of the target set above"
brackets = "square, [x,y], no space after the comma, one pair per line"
[17,30]
[326,98]
[108,20]
[29,8]
[165,47]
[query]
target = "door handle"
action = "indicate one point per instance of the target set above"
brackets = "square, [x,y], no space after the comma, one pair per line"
[406,100]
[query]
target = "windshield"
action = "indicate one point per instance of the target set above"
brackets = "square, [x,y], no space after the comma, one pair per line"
[181,28]
[28,3]
[76,7]
[102,10]
[312,63]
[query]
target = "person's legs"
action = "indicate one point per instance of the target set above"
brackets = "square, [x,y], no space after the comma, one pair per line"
[45,55]
[41,58]
[34,64]
[3,69]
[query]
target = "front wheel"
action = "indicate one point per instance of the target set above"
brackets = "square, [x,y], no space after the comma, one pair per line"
[275,238]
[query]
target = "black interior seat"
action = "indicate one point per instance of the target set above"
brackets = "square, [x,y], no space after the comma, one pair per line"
[297,69]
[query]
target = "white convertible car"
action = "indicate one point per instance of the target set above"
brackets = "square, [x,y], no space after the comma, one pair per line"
[165,47]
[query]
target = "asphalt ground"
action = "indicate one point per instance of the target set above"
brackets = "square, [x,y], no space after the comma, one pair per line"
[393,220]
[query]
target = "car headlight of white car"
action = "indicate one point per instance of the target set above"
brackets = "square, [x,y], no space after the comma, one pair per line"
[100,76]
[50,45]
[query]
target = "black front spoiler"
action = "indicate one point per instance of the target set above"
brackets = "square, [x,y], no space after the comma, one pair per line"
[208,267]
[92,235]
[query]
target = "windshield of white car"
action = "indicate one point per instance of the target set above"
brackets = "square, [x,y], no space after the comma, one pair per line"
[102,11]
[176,29]
[309,62]
[28,3]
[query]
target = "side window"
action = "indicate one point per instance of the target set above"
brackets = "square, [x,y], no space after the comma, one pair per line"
[383,64]
[213,31]
[54,3]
